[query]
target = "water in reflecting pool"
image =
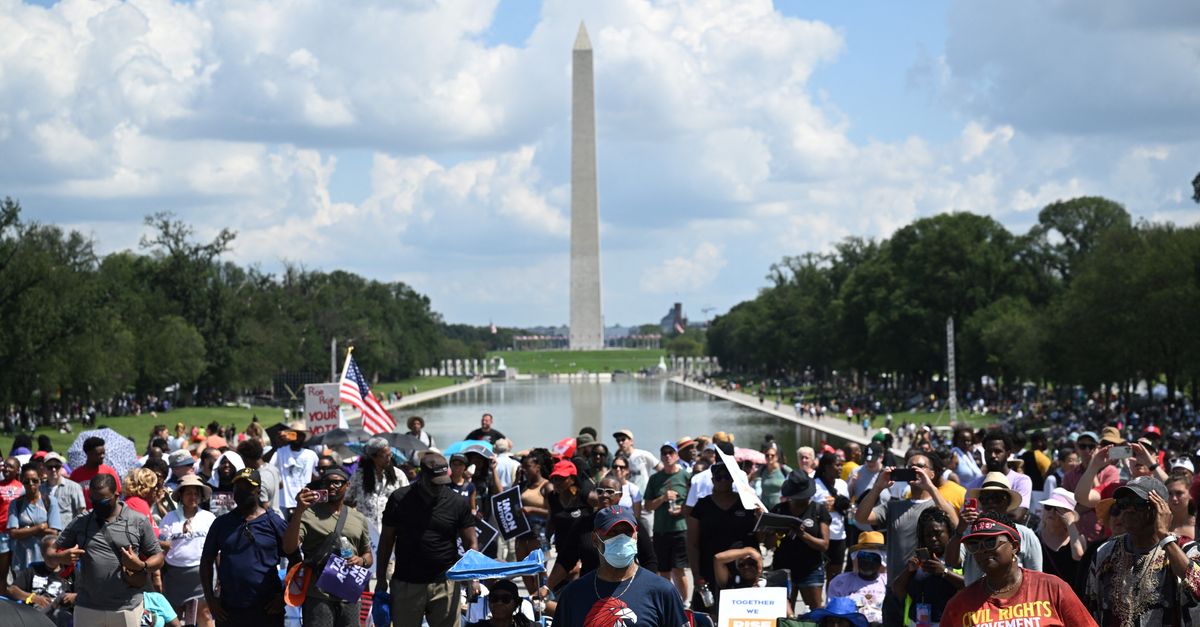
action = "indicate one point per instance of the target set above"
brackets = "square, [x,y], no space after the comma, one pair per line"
[539,413]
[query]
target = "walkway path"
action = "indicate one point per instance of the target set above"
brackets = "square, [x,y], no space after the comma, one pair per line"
[832,424]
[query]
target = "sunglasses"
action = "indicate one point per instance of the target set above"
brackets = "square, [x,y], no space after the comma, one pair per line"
[609,492]
[1086,447]
[620,467]
[335,484]
[982,544]
[31,481]
[501,598]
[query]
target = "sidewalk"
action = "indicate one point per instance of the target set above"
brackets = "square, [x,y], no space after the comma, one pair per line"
[832,424]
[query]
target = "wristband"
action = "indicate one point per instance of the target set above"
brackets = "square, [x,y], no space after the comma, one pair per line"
[1167,540]
[29,599]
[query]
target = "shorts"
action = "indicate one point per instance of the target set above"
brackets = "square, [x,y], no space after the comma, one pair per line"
[835,555]
[671,550]
[812,579]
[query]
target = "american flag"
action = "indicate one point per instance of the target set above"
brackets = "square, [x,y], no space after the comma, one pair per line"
[354,390]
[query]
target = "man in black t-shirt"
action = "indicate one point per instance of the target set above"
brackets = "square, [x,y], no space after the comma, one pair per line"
[421,523]
[485,431]
[44,587]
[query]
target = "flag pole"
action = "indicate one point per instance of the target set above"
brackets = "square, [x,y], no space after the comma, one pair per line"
[346,363]
[342,423]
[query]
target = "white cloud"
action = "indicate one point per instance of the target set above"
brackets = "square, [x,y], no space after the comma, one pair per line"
[686,273]
[976,140]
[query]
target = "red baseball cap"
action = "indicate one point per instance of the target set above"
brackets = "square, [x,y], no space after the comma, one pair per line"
[565,468]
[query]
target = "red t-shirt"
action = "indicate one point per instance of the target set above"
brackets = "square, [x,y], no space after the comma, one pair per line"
[9,492]
[83,475]
[139,505]
[1043,600]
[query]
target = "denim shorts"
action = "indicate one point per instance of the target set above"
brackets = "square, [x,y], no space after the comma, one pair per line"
[812,579]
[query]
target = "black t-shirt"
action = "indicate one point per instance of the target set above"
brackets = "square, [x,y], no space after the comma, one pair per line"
[491,435]
[794,553]
[1060,563]
[931,589]
[572,527]
[426,532]
[40,579]
[720,529]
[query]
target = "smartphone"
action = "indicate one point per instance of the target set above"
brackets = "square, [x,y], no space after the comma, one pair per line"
[971,503]
[922,554]
[1120,452]
[904,474]
[322,496]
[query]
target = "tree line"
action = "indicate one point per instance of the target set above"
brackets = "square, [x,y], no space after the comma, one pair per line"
[79,326]
[1085,297]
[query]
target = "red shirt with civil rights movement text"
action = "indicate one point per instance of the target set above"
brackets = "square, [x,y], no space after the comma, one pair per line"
[1042,601]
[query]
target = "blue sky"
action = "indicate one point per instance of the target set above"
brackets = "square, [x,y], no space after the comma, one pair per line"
[428,142]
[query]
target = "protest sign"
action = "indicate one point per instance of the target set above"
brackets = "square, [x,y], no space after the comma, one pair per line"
[741,483]
[752,607]
[506,508]
[321,407]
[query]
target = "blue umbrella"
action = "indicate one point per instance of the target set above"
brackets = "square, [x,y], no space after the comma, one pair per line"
[118,451]
[459,447]
[476,565]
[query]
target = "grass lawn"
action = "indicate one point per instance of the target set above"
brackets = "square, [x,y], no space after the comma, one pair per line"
[937,419]
[566,361]
[139,427]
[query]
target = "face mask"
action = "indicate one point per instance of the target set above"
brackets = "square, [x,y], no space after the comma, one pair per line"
[245,499]
[103,508]
[620,551]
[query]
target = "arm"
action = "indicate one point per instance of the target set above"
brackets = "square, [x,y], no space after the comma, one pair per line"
[292,537]
[900,584]
[383,555]
[820,543]
[1187,570]
[925,481]
[14,524]
[1085,493]
[866,516]
[469,539]
[1142,455]
[693,548]
[722,560]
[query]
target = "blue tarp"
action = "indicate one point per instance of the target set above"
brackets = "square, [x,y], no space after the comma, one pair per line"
[476,565]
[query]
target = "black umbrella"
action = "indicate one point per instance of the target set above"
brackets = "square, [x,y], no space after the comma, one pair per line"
[21,615]
[337,437]
[405,443]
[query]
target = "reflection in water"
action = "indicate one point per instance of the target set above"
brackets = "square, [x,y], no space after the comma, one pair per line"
[539,413]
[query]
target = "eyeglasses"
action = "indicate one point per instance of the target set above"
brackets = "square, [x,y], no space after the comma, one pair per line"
[990,543]
[609,492]
[501,598]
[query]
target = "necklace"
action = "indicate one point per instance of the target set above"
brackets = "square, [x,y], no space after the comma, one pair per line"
[596,586]
[1006,589]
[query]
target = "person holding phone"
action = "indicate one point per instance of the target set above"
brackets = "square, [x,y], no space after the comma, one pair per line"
[898,517]
[994,495]
[927,582]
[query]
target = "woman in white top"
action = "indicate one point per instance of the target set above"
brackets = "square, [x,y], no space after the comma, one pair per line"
[373,482]
[631,496]
[836,494]
[182,535]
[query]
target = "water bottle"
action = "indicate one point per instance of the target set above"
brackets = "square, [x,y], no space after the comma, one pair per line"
[345,550]
[706,595]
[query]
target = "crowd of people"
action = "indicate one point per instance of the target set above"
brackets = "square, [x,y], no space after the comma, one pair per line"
[976,528]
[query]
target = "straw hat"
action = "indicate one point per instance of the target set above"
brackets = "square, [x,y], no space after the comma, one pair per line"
[191,481]
[997,482]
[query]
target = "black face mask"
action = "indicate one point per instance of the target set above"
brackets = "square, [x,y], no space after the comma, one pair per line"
[103,507]
[245,499]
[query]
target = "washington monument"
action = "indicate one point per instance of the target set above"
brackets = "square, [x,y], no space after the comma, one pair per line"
[587,323]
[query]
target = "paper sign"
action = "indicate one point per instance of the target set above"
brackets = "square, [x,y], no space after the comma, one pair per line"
[751,607]
[741,484]
[506,509]
[321,407]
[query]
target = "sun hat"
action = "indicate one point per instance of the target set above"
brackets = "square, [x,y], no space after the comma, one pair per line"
[585,440]
[191,481]
[684,442]
[1061,498]
[413,419]
[1111,435]
[869,541]
[838,607]
[997,482]
[798,486]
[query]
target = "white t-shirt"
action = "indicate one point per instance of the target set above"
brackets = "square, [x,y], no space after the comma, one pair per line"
[185,547]
[506,470]
[642,464]
[296,469]
[701,487]
[837,524]
[630,494]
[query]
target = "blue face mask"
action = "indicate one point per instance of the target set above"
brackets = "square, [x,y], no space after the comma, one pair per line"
[619,551]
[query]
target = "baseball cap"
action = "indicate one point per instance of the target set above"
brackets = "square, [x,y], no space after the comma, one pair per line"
[1088,434]
[248,474]
[874,452]
[438,470]
[609,517]
[335,472]
[1182,462]
[52,456]
[1153,430]
[565,468]
[1141,489]
[623,433]
[985,527]
[180,458]
[670,445]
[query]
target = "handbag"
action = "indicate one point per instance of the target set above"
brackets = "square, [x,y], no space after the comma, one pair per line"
[300,574]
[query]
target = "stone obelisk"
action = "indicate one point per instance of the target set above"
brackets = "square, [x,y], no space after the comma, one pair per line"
[587,324]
